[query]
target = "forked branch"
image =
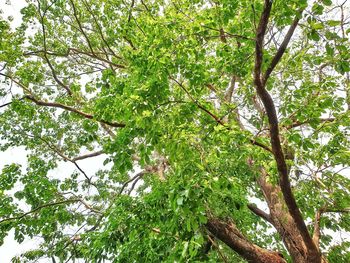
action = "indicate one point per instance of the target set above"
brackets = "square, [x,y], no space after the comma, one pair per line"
[274,127]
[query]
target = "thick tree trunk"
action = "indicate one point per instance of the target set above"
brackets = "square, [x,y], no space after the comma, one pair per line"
[285,224]
[285,214]
[228,233]
[280,218]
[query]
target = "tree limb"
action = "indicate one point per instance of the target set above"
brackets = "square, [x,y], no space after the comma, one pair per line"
[317,232]
[138,175]
[60,83]
[260,213]
[39,208]
[228,233]
[85,156]
[71,109]
[274,132]
[300,123]
[216,118]
[282,48]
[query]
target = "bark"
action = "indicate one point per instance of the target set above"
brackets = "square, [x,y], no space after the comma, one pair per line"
[284,210]
[285,214]
[285,224]
[228,233]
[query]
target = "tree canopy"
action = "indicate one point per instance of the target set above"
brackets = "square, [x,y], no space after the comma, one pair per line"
[223,126]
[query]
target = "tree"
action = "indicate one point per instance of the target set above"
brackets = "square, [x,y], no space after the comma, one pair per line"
[224,127]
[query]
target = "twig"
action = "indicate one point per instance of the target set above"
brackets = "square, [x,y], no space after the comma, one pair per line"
[39,208]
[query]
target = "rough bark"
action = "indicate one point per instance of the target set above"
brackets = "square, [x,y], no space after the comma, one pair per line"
[228,233]
[283,221]
[285,213]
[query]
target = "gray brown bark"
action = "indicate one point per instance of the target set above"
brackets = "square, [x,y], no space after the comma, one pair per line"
[228,233]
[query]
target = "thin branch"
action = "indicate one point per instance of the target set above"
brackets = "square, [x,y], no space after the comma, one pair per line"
[130,10]
[131,44]
[39,208]
[229,92]
[216,118]
[225,34]
[16,82]
[76,51]
[261,145]
[9,103]
[140,174]
[80,26]
[89,155]
[53,148]
[69,91]
[134,184]
[85,175]
[71,109]
[317,232]
[260,213]
[148,169]
[300,123]
[88,206]
[108,130]
[212,241]
[335,210]
[100,29]
[282,48]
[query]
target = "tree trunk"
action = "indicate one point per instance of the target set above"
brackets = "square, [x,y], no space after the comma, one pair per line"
[228,233]
[285,224]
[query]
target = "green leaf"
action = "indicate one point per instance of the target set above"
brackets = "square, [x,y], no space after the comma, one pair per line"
[327,2]
[333,22]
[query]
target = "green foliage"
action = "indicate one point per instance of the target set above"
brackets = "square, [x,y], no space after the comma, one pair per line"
[162,69]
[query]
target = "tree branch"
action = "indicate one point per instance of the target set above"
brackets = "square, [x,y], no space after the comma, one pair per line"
[80,26]
[259,42]
[69,91]
[65,158]
[9,103]
[317,232]
[274,132]
[217,247]
[76,51]
[39,208]
[228,233]
[138,175]
[100,29]
[300,123]
[216,118]
[5,104]
[71,109]
[260,213]
[85,156]
[282,48]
